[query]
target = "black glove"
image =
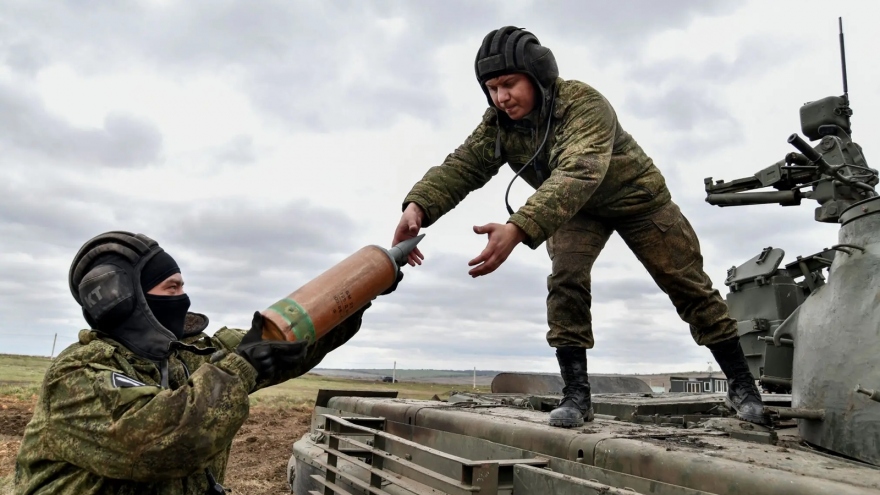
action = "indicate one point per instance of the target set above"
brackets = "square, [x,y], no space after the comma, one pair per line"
[394,285]
[269,357]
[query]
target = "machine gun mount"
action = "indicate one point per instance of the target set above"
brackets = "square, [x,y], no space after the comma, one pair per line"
[835,170]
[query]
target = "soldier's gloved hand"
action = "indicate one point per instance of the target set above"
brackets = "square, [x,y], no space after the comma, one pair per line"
[394,285]
[269,357]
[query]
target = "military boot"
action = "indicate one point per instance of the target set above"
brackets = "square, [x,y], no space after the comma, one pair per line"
[575,407]
[742,394]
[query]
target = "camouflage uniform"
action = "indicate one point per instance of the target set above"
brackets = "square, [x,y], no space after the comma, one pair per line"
[103,425]
[591,179]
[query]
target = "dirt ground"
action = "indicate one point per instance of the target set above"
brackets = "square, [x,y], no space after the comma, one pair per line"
[14,416]
[261,449]
[257,466]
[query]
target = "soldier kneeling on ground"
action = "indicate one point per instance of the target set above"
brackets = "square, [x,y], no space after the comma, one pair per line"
[146,402]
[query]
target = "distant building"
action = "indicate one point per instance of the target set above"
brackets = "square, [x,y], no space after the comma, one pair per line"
[698,384]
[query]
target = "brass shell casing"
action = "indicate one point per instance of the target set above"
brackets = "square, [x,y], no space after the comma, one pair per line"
[323,303]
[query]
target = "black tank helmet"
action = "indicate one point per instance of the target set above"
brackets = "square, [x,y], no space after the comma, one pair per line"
[105,279]
[514,50]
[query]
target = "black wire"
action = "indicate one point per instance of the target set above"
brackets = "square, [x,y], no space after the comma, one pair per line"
[543,142]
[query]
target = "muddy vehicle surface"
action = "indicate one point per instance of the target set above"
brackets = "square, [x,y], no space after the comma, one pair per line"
[810,329]
[664,444]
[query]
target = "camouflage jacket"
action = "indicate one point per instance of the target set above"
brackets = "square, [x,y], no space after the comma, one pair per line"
[103,424]
[589,164]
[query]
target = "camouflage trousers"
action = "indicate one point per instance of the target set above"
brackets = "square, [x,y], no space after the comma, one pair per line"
[667,246]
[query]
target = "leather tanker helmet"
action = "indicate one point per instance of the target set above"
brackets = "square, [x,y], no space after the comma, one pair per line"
[512,50]
[105,280]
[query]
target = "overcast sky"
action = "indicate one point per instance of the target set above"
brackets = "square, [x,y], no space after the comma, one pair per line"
[262,142]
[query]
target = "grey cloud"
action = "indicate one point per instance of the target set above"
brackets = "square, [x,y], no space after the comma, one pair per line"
[236,258]
[296,234]
[693,123]
[291,58]
[239,151]
[607,289]
[33,283]
[50,220]
[297,230]
[682,108]
[619,29]
[25,58]
[34,303]
[514,291]
[630,345]
[296,60]
[622,27]
[124,141]
[753,56]
[712,139]
[680,94]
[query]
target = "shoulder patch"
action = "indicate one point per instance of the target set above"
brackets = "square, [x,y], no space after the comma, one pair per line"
[121,381]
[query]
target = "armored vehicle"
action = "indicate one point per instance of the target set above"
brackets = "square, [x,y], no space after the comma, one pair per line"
[811,329]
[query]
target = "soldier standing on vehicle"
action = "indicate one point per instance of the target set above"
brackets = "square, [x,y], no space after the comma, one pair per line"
[591,179]
[146,402]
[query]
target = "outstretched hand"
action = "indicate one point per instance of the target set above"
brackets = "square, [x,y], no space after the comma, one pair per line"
[502,239]
[408,227]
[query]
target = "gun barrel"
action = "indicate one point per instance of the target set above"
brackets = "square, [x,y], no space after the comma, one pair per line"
[785,198]
[807,150]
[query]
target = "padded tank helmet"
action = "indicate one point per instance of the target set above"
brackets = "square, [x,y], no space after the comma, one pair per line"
[512,50]
[105,280]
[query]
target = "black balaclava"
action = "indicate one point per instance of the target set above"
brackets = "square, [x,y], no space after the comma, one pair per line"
[170,311]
